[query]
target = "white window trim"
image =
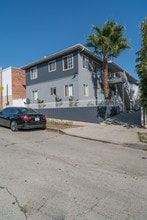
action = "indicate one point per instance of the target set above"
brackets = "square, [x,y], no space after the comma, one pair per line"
[34,74]
[68,56]
[54,89]
[87,62]
[69,90]
[35,94]
[86,90]
[50,63]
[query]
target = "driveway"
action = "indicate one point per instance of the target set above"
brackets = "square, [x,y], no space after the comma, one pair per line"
[126,119]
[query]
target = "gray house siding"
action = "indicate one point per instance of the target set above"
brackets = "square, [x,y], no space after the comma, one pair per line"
[85,77]
[44,89]
[44,75]
[86,83]
[77,76]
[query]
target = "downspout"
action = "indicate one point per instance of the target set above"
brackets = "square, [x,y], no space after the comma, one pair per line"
[7,95]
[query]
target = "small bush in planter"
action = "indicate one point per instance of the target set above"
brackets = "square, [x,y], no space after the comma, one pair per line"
[27,102]
[40,103]
[58,100]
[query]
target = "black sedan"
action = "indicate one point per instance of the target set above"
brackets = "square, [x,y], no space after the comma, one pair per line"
[21,118]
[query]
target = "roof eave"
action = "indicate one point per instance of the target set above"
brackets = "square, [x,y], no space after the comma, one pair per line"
[78,47]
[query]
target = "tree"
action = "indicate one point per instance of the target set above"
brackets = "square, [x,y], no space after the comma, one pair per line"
[107,41]
[141,65]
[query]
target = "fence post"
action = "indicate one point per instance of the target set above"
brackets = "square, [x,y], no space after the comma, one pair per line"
[145,119]
[142,117]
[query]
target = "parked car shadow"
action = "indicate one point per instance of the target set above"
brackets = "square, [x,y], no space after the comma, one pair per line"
[24,130]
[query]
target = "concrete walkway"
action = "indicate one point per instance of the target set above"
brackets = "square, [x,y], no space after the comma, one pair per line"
[115,134]
[122,129]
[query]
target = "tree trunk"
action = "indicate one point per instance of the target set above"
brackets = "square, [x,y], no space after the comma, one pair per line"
[105,80]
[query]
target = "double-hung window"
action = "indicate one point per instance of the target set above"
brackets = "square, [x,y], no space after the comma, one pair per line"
[52,66]
[85,62]
[68,90]
[68,62]
[53,91]
[33,73]
[35,95]
[86,90]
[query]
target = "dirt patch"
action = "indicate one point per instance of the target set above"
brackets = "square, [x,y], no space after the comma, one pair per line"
[143,137]
[60,124]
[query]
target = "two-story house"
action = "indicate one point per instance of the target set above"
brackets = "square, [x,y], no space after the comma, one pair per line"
[75,75]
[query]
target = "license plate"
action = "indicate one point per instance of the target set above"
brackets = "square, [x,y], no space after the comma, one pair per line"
[37,119]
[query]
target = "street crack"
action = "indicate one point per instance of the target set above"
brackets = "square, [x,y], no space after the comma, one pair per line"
[21,208]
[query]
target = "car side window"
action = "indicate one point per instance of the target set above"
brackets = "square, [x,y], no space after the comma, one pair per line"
[9,111]
[23,110]
[5,111]
[13,111]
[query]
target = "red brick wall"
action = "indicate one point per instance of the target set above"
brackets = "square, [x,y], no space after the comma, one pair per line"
[18,84]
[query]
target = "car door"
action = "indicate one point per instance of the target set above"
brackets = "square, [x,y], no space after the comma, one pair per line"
[10,114]
[1,117]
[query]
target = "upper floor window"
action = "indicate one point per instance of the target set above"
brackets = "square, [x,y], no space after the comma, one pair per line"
[85,62]
[95,67]
[68,62]
[33,73]
[52,66]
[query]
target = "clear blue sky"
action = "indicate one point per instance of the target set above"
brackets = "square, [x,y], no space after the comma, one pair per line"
[31,29]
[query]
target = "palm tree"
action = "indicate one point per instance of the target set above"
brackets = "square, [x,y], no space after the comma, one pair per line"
[107,41]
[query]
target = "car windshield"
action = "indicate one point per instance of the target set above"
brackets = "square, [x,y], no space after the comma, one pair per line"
[27,111]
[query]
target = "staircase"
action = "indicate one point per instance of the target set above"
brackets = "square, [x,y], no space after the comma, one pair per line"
[123,87]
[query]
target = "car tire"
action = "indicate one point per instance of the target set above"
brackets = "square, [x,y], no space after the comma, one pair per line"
[14,126]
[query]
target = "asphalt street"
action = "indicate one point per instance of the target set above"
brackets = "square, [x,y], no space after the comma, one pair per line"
[50,176]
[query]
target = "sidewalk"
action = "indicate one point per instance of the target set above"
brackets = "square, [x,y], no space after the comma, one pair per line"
[115,134]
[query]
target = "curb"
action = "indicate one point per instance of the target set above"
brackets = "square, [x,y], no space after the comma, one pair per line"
[139,146]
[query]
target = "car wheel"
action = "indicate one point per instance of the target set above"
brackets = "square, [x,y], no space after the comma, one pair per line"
[14,126]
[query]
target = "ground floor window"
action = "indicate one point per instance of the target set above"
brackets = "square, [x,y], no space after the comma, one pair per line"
[86,90]
[35,95]
[53,91]
[68,90]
